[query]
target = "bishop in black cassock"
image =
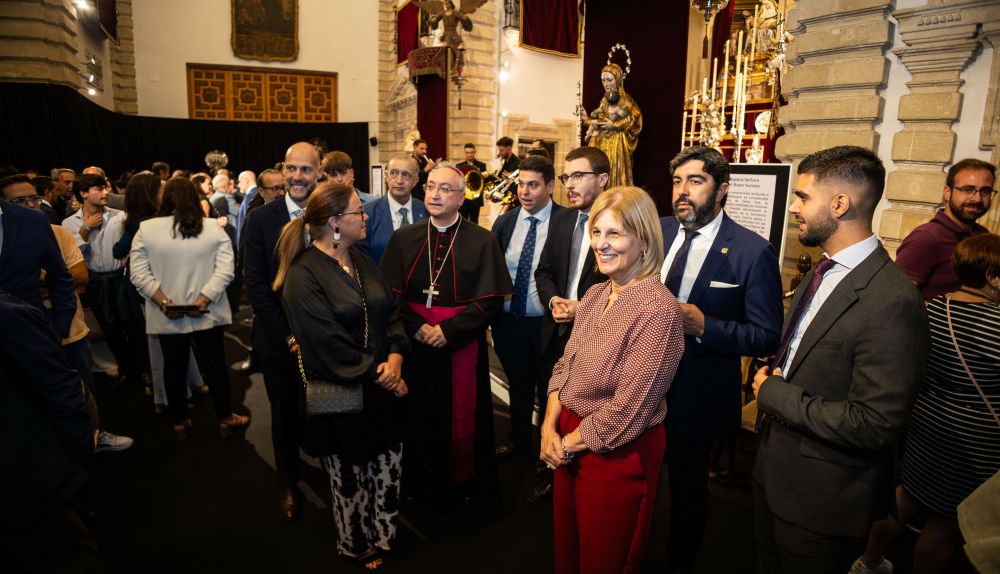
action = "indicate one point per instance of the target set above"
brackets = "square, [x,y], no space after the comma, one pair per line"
[449,440]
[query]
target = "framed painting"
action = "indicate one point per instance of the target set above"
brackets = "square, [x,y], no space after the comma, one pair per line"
[266,30]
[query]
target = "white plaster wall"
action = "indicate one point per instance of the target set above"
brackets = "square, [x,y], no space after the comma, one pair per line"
[976,78]
[890,124]
[540,86]
[974,88]
[334,36]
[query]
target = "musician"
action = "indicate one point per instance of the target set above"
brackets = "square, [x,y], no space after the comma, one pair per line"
[470,207]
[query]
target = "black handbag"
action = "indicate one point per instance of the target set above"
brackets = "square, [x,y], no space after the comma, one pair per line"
[326,398]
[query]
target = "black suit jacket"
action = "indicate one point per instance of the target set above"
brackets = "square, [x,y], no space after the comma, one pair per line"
[29,246]
[738,288]
[260,267]
[552,274]
[826,450]
[45,428]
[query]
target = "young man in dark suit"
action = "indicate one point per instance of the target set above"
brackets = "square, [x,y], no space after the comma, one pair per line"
[727,281]
[846,375]
[517,331]
[567,266]
[50,429]
[393,210]
[271,334]
[28,247]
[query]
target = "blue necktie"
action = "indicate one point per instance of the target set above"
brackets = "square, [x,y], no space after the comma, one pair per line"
[520,299]
[676,272]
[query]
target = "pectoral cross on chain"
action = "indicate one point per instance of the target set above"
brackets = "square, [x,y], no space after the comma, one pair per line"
[431,293]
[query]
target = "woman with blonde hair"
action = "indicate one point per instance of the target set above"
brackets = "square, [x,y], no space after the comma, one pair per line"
[349,330]
[602,431]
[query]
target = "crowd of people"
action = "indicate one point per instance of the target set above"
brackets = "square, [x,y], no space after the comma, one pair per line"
[372,319]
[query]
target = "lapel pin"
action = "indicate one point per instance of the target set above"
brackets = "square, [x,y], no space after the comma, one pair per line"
[725,250]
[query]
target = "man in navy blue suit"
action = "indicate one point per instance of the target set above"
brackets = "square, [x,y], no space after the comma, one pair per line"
[49,429]
[517,332]
[271,335]
[395,209]
[727,281]
[28,247]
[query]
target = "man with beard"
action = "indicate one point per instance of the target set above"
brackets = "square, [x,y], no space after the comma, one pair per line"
[567,267]
[925,254]
[424,165]
[838,393]
[451,278]
[727,281]
[272,339]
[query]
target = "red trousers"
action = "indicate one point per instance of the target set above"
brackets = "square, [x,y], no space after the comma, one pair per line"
[602,505]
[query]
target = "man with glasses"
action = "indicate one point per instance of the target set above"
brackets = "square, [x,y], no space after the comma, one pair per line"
[925,254]
[271,337]
[567,267]
[452,279]
[338,168]
[28,248]
[75,345]
[517,331]
[395,209]
[97,228]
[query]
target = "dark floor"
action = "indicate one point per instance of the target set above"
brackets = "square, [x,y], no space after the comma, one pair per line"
[210,505]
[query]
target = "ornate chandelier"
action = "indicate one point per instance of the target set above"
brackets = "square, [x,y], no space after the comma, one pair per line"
[708,9]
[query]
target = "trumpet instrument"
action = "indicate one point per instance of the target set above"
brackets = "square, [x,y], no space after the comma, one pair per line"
[503,190]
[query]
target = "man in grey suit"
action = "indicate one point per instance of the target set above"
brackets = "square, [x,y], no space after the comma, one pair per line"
[838,393]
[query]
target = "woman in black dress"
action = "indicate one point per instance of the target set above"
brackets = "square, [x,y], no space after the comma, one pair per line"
[953,441]
[349,329]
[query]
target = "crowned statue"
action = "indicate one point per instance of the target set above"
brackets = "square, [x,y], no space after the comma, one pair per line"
[614,125]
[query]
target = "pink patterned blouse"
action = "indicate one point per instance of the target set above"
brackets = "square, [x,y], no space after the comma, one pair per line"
[616,370]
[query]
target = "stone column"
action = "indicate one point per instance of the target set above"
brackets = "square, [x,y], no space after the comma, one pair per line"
[39,43]
[833,88]
[398,98]
[941,39]
[123,63]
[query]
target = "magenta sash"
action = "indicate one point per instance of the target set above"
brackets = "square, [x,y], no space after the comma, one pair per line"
[463,395]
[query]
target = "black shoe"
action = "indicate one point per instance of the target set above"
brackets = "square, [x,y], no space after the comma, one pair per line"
[247,367]
[505,450]
[539,491]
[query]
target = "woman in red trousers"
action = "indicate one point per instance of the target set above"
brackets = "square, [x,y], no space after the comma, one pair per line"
[602,431]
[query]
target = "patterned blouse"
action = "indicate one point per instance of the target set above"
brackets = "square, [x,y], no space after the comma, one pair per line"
[616,370]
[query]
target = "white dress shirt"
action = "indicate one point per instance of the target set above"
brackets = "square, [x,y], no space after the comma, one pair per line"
[97,248]
[394,208]
[574,281]
[292,207]
[701,244]
[533,306]
[844,262]
[183,269]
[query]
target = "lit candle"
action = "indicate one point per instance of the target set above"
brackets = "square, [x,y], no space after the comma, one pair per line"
[684,120]
[715,74]
[725,78]
[694,115]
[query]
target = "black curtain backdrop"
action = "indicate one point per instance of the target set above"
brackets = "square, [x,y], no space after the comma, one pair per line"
[656,34]
[46,126]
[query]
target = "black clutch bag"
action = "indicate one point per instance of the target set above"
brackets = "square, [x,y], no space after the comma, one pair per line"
[326,398]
